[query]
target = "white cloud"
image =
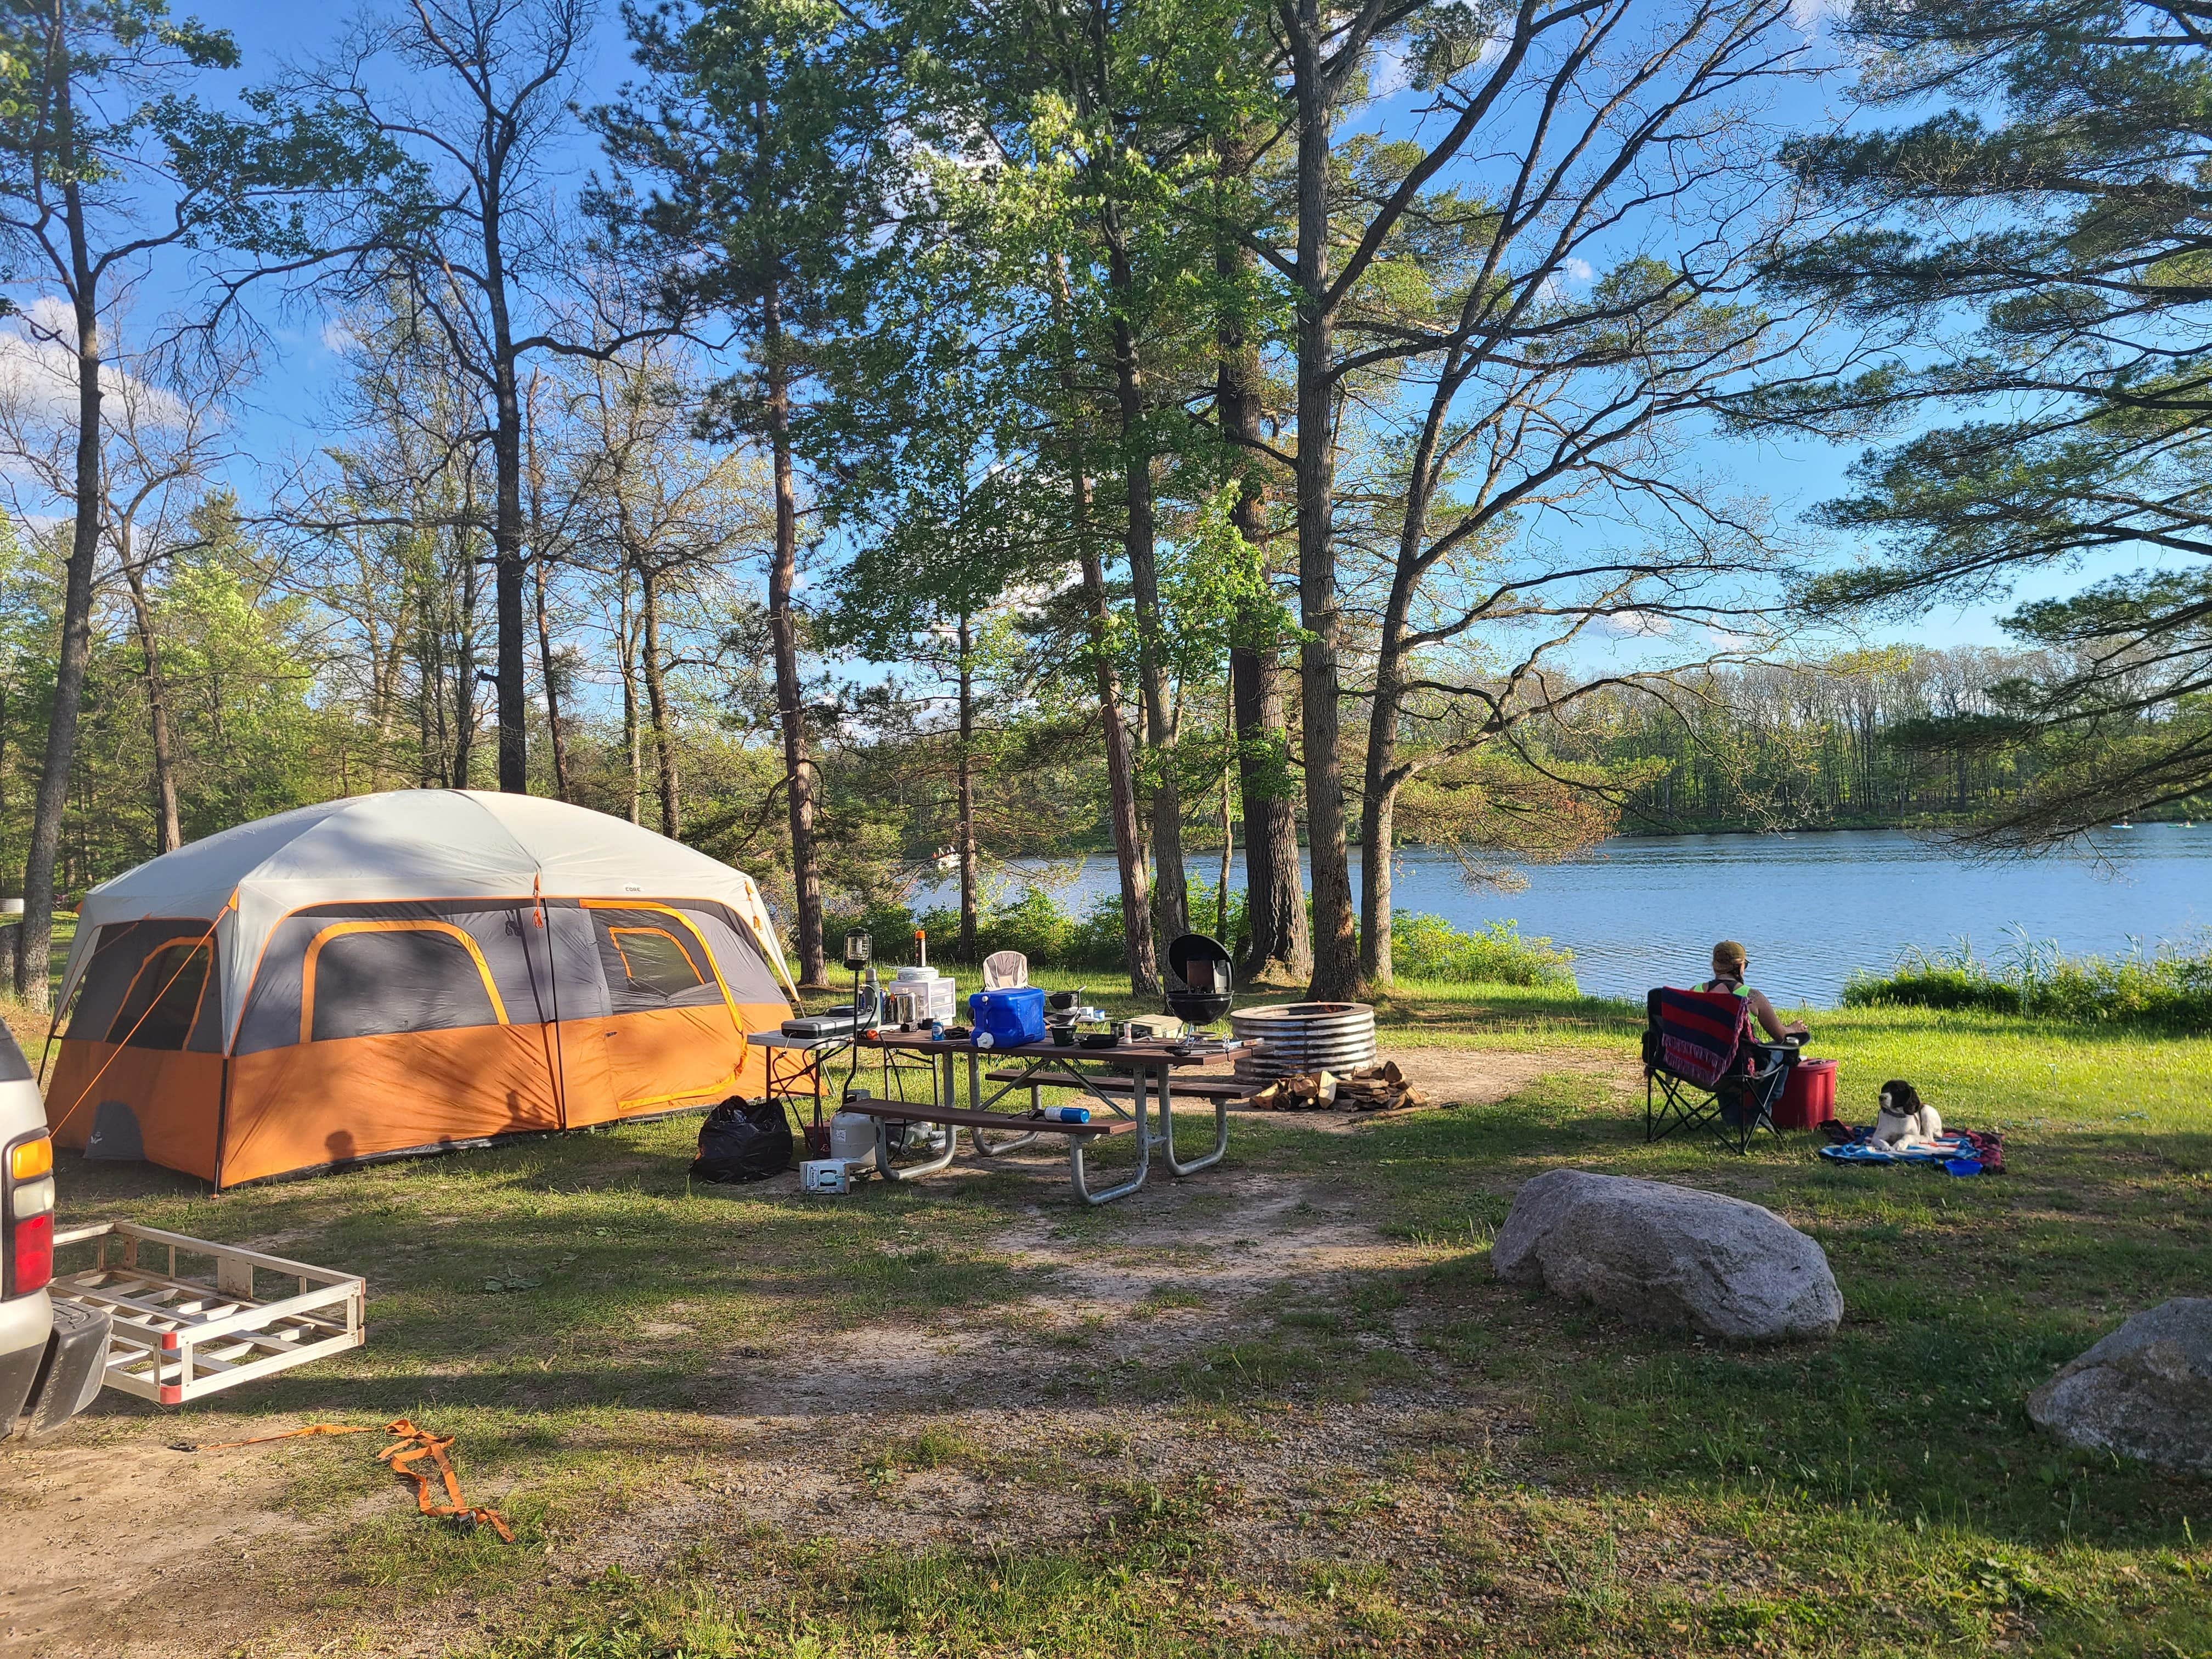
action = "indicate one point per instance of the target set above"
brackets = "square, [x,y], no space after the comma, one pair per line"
[39,400]
[338,338]
[1389,74]
[37,379]
[1641,624]
[1572,275]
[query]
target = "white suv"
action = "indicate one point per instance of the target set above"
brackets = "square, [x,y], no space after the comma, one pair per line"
[51,1354]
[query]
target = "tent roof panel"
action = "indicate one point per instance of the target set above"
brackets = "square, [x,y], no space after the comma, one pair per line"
[406,844]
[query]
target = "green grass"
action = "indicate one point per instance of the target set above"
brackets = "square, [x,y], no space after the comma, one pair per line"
[1402,1456]
[27,1025]
[2168,989]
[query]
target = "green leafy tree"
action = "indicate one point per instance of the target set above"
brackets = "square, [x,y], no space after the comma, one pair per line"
[1088,182]
[468,105]
[109,159]
[759,141]
[2039,251]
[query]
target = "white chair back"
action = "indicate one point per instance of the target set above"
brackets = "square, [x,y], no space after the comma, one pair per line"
[1006,970]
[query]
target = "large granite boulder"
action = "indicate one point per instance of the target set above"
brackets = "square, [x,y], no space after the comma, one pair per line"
[1669,1256]
[2145,1391]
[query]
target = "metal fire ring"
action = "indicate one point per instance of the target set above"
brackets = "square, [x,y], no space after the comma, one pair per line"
[1304,1037]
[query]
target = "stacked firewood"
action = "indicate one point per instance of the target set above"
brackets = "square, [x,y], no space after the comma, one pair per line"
[1381,1087]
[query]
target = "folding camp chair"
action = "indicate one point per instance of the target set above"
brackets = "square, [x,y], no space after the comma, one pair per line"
[1006,970]
[1702,1068]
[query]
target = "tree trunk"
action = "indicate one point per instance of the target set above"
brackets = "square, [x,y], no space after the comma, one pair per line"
[157,711]
[1336,944]
[968,905]
[36,941]
[1137,946]
[1377,819]
[507,517]
[656,699]
[1280,944]
[540,557]
[1228,821]
[1171,889]
[395,653]
[429,699]
[1121,782]
[783,630]
[627,640]
[552,686]
[1379,792]
[465,672]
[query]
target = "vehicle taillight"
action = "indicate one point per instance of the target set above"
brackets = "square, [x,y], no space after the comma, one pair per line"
[33,1251]
[27,1228]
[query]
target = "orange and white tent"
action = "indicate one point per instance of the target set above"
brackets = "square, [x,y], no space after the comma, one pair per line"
[402,972]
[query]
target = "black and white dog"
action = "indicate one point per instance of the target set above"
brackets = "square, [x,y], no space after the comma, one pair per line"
[1904,1118]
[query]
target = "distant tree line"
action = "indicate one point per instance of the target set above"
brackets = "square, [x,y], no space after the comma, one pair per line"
[1866,738]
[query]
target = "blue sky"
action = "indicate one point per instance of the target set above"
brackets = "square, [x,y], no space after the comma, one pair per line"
[287,404]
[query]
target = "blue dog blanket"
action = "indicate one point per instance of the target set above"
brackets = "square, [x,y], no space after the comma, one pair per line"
[1955,1153]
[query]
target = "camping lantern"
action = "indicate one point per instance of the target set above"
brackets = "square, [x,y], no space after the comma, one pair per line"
[858,950]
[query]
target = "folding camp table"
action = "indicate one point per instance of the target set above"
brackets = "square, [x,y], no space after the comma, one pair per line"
[1028,1066]
[802,1082]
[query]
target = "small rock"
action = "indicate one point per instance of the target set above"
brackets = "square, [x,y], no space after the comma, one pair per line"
[2145,1391]
[1669,1256]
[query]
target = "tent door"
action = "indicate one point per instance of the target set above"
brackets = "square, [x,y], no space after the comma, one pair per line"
[587,1090]
[671,1057]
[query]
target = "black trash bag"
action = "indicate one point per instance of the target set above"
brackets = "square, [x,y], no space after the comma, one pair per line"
[743,1140]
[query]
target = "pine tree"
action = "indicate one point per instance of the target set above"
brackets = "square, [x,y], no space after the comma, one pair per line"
[2060,198]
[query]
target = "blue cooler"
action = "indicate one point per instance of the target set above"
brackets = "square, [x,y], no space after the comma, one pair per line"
[1008,1016]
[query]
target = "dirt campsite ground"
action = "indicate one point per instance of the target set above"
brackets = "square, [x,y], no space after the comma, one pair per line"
[1280,1408]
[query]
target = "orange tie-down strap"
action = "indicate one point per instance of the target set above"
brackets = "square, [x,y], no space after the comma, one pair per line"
[412,1446]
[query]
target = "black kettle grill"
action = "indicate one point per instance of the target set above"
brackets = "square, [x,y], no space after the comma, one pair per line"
[1198,979]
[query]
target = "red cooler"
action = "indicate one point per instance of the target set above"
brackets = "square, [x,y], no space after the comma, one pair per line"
[1810,1096]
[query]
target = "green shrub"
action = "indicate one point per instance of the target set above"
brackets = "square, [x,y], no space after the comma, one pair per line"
[1429,947]
[1095,941]
[887,926]
[2171,986]
[1033,924]
[1422,946]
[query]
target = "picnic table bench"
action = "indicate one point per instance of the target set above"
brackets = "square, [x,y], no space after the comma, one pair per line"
[1127,1081]
[1195,1088]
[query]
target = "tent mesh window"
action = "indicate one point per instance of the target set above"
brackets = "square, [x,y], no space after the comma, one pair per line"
[158,1010]
[130,964]
[656,962]
[378,979]
[653,959]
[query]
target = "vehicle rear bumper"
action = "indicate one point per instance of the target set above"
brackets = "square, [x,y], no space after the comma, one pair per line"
[26,1322]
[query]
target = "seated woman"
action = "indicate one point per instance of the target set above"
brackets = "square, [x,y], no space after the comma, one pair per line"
[1728,964]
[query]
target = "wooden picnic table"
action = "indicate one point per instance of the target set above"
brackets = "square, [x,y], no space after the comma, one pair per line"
[1148,1067]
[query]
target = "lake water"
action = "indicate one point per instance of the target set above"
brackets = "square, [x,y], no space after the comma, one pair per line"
[1812,910]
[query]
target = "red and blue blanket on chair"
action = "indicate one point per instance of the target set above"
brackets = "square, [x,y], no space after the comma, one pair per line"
[1700,1032]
